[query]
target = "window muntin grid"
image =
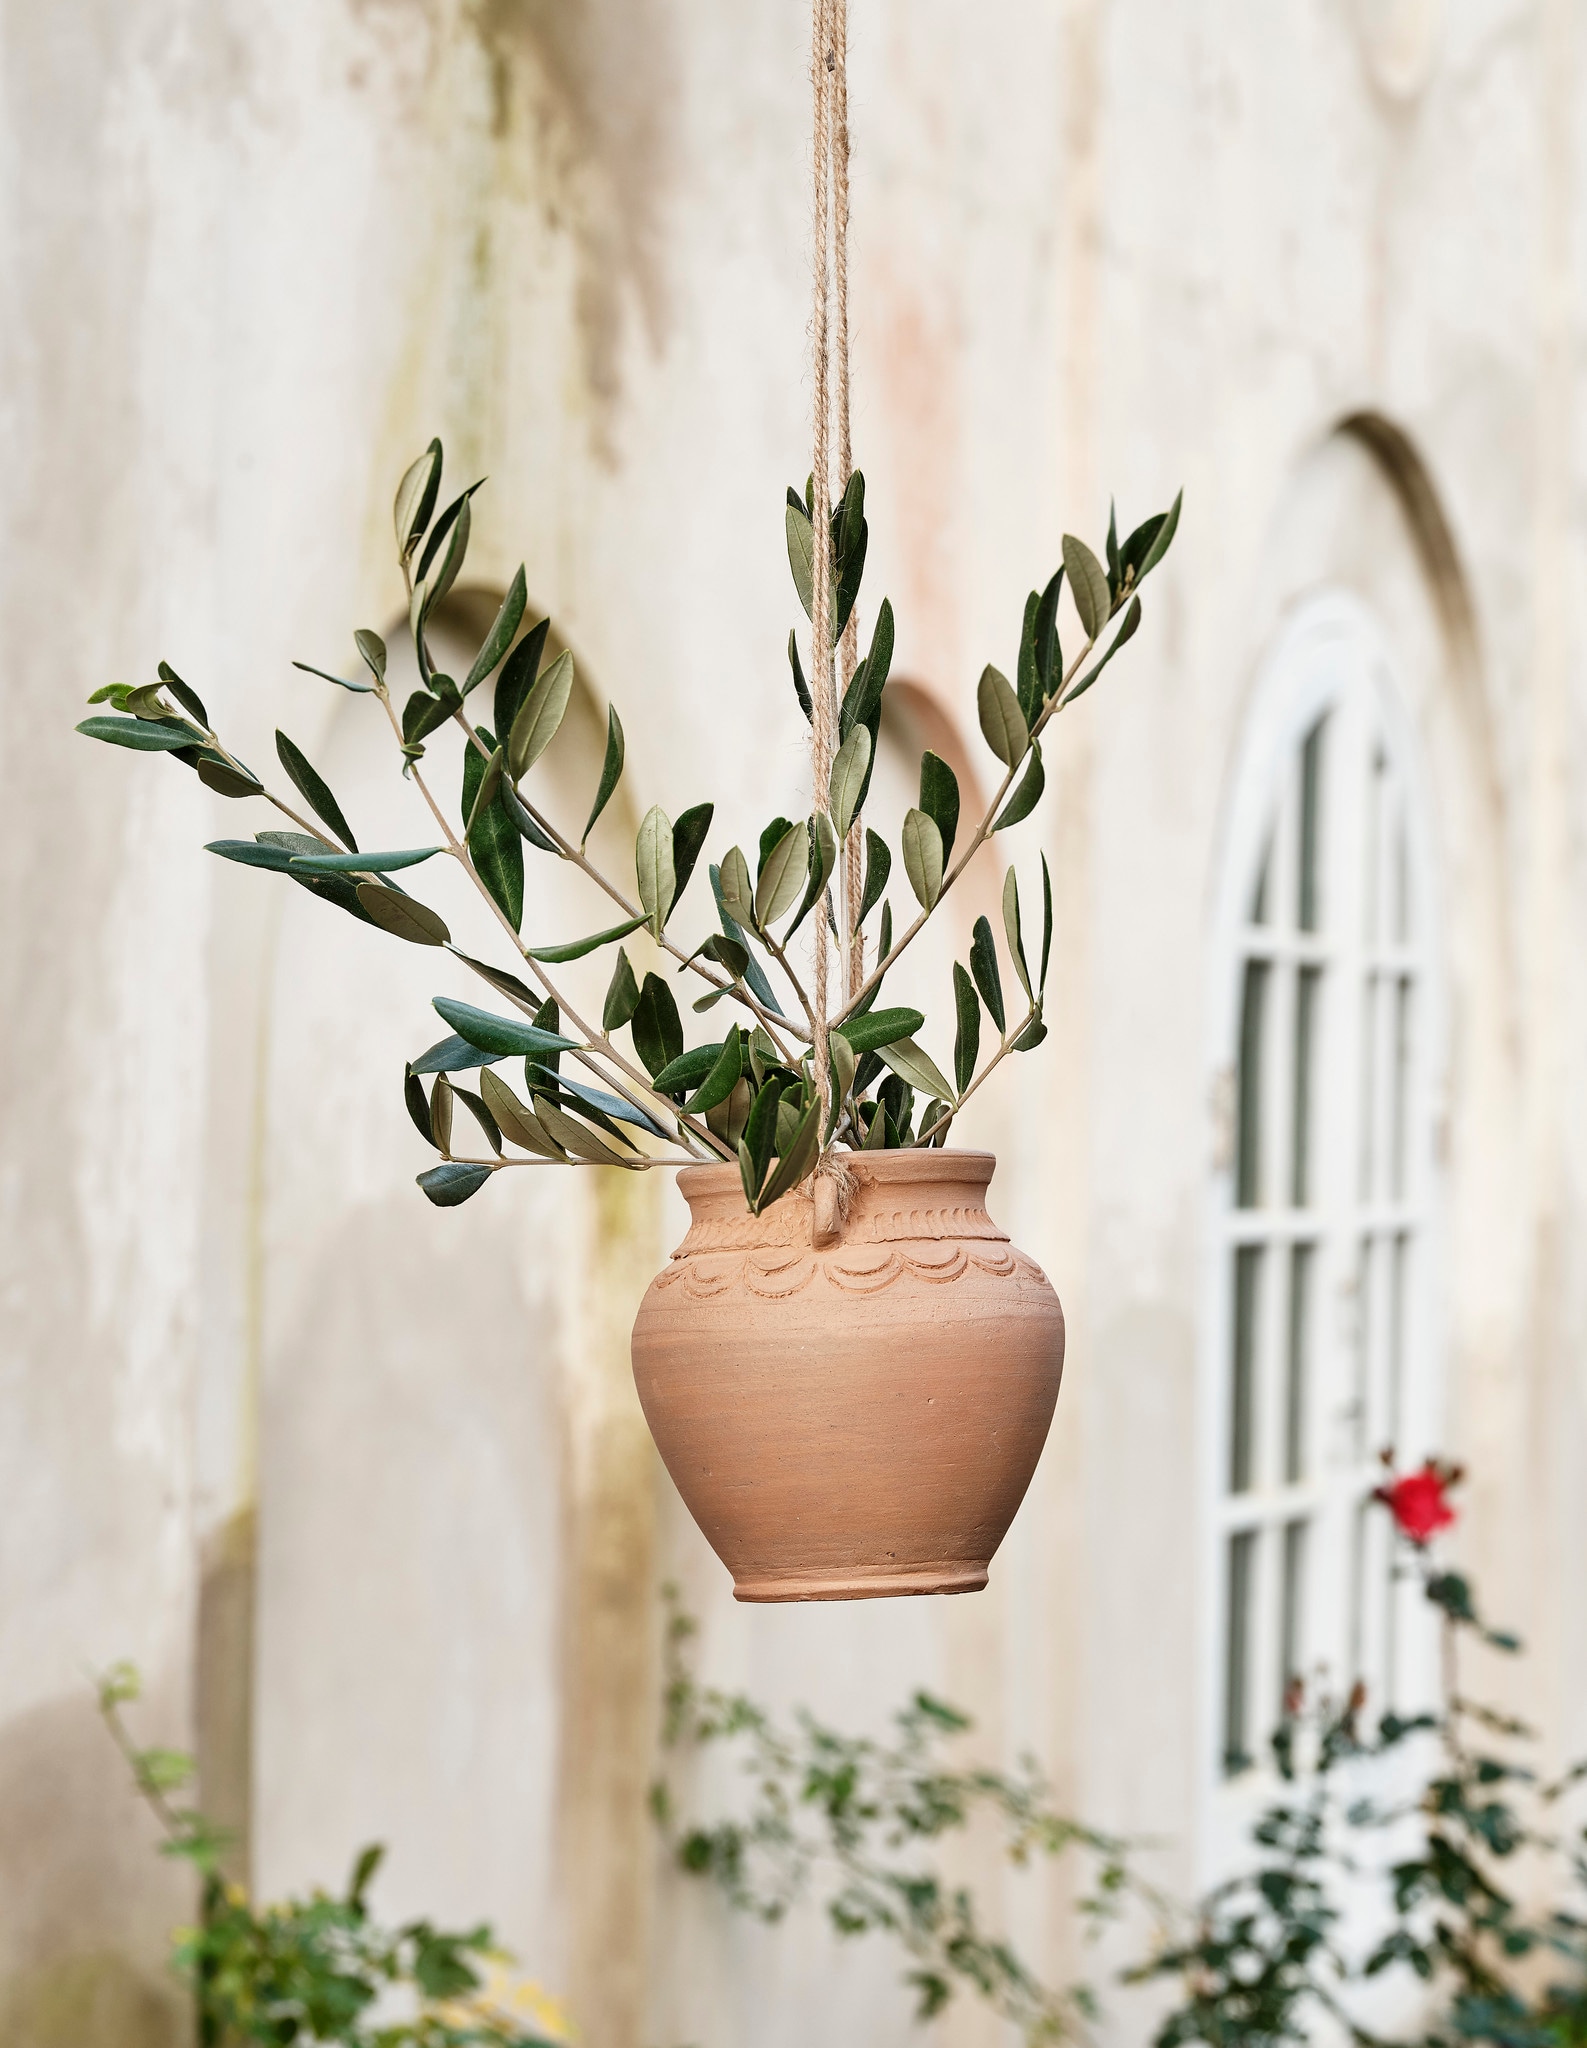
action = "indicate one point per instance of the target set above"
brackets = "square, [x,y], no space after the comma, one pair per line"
[1322,1242]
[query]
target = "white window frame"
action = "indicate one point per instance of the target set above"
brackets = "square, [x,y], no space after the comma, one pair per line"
[1329,659]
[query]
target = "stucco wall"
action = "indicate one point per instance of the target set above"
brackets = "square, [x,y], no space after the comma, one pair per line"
[253,258]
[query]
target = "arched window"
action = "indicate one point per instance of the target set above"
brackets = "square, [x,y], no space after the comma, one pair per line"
[1322,1308]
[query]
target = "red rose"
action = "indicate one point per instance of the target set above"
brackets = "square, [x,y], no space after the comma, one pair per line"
[1419,1501]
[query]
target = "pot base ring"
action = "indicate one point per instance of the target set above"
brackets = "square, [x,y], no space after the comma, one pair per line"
[874,1585]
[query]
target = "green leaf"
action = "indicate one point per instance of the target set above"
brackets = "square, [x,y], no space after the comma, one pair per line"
[770,834]
[922,844]
[500,637]
[1088,585]
[1027,794]
[801,555]
[540,717]
[1132,619]
[844,1063]
[441,1113]
[577,1137]
[518,1124]
[418,1107]
[1033,1034]
[1049,656]
[760,1136]
[494,844]
[910,1063]
[416,496]
[250,854]
[821,860]
[518,673]
[728,953]
[967,1039]
[453,1055]
[363,863]
[878,866]
[427,709]
[481,1116]
[191,702]
[1002,721]
[611,771]
[689,1069]
[140,734]
[622,995]
[939,799]
[452,1183]
[851,766]
[876,1028]
[862,701]
[737,892]
[373,649]
[501,1035]
[575,949]
[1161,539]
[523,824]
[876,1135]
[688,838]
[722,1079]
[658,881]
[781,875]
[850,539]
[1046,925]
[455,514]
[341,682]
[225,777]
[1027,683]
[1011,929]
[983,965]
[314,790]
[401,916]
[801,687]
[456,549]
[545,1015]
[797,1160]
[657,1027]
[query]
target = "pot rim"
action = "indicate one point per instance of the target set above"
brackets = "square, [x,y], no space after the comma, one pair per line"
[906,1164]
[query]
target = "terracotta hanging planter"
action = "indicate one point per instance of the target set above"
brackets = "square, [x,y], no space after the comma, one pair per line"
[859,1418]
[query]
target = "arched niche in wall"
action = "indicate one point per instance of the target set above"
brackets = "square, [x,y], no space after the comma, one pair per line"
[441,1394]
[1362,603]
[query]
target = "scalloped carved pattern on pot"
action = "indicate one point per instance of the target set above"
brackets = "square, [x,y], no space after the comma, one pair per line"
[774,1274]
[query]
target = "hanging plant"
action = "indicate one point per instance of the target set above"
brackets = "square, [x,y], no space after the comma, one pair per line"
[834,1100]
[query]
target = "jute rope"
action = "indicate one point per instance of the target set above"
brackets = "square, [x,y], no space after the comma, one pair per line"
[825,60]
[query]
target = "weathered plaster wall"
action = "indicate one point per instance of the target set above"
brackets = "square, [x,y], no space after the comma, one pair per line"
[252,260]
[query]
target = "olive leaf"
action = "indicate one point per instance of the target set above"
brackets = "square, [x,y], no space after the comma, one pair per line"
[1028,793]
[983,965]
[1088,585]
[801,554]
[415,501]
[801,687]
[967,1038]
[576,949]
[1033,1034]
[1011,929]
[735,889]
[862,701]
[441,1114]
[611,771]
[876,1028]
[821,860]
[227,778]
[798,1158]
[501,1035]
[576,1137]
[722,1079]
[653,863]
[939,799]
[363,863]
[452,1055]
[922,845]
[1046,927]
[657,1027]
[912,1064]
[494,842]
[522,822]
[341,682]
[1049,656]
[688,838]
[844,1065]
[517,1123]
[314,790]
[481,1116]
[878,866]
[457,513]
[781,874]
[688,1070]
[1027,682]
[1150,541]
[1127,626]
[518,674]
[401,916]
[250,854]
[500,637]
[142,735]
[760,1136]
[539,718]
[851,766]
[622,995]
[453,1182]
[728,1119]
[373,649]
[427,709]
[418,1107]
[1002,721]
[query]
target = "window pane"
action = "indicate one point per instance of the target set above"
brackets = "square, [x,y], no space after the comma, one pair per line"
[1360,1407]
[1296,1375]
[1293,1618]
[1402,887]
[1236,1660]
[1398,1276]
[1402,1062]
[1259,900]
[1367,1108]
[1307,866]
[1242,1401]
[1306,999]
[1248,1149]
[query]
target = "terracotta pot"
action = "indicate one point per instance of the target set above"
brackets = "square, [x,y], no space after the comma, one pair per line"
[860,1418]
